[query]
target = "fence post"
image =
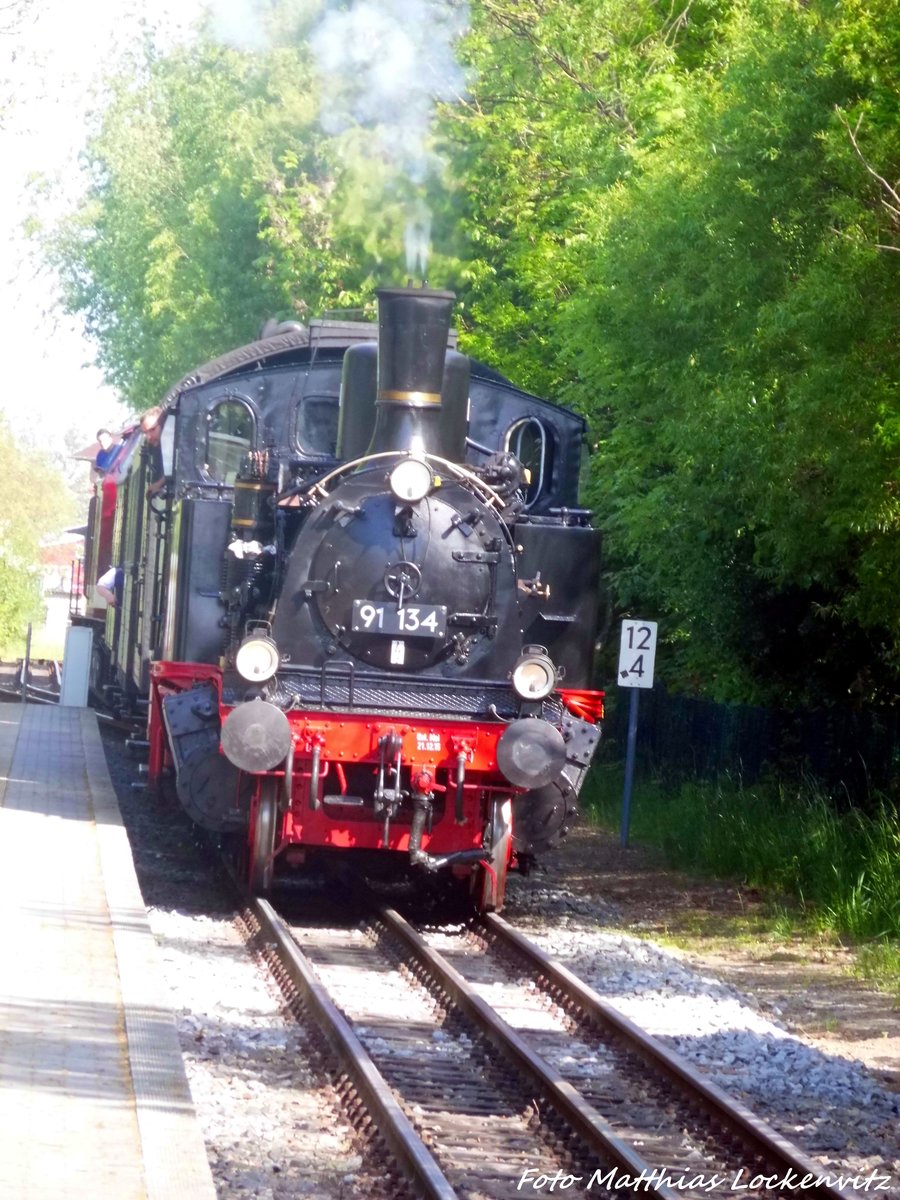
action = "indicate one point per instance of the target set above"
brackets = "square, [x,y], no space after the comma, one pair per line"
[26,667]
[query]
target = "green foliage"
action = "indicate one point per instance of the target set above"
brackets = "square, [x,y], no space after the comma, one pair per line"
[841,864]
[752,435]
[681,222]
[880,963]
[214,201]
[671,227]
[564,95]
[34,502]
[163,258]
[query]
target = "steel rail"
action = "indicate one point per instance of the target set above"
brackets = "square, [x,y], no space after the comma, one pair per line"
[738,1120]
[567,1100]
[42,694]
[18,682]
[412,1154]
[34,695]
[44,681]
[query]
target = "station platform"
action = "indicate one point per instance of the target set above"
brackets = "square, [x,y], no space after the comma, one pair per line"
[94,1101]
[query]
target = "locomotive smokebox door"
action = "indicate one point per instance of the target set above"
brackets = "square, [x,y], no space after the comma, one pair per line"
[447,570]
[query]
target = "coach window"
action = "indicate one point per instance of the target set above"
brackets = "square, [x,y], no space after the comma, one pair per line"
[230,434]
[315,424]
[532,444]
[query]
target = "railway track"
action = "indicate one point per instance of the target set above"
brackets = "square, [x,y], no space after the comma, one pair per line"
[37,681]
[40,681]
[559,1093]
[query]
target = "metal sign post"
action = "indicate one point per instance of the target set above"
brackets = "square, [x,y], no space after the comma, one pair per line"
[637,654]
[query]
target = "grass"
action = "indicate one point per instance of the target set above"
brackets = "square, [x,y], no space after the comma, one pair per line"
[880,963]
[44,644]
[842,867]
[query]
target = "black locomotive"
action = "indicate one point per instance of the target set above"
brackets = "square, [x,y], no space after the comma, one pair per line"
[363,612]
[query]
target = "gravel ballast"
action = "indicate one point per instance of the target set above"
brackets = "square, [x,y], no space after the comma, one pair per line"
[271,1122]
[834,1108]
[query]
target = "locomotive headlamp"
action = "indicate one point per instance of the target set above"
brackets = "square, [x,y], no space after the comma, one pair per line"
[257,658]
[411,480]
[534,676]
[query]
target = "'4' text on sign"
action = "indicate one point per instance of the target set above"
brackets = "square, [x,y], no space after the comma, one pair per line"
[637,654]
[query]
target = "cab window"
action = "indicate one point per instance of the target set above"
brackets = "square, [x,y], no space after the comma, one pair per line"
[316,423]
[230,435]
[532,444]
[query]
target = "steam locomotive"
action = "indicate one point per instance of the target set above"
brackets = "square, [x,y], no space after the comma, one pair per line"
[361,615]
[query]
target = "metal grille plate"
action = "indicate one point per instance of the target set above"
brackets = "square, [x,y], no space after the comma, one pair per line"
[346,689]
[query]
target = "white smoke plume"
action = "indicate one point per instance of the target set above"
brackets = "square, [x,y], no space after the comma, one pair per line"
[238,23]
[384,65]
[418,237]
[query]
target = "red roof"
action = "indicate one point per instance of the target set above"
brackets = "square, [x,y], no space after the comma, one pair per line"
[61,554]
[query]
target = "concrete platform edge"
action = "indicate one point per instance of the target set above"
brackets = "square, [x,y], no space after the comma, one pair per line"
[9,734]
[175,1160]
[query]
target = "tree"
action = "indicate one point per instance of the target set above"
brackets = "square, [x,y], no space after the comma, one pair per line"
[749,346]
[12,17]
[565,98]
[681,221]
[215,200]
[163,258]
[34,502]
[671,227]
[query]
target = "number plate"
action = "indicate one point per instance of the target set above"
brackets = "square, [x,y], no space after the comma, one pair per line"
[414,620]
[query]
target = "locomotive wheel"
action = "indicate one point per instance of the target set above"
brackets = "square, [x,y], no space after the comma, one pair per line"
[262,845]
[490,885]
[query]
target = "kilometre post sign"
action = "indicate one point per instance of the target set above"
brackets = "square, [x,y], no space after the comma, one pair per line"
[637,654]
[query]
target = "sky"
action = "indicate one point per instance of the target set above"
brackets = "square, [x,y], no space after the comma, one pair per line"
[58,50]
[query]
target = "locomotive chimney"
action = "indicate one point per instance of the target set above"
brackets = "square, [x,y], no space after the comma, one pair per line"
[413,326]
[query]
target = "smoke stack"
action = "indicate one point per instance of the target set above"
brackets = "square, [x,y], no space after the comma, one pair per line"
[413,326]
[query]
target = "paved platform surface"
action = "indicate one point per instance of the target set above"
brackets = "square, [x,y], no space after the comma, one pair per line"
[94,1102]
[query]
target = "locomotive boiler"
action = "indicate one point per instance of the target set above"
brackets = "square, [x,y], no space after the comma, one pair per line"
[365,620]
